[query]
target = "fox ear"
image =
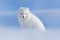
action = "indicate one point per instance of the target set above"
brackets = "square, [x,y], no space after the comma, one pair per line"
[24,8]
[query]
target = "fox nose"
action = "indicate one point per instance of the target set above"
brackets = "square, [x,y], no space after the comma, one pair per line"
[23,16]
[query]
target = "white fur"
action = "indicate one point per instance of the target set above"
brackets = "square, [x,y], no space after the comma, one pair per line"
[31,21]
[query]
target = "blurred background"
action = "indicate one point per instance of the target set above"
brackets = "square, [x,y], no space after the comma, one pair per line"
[47,10]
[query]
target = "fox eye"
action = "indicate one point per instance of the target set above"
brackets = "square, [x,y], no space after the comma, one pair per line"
[25,14]
[21,13]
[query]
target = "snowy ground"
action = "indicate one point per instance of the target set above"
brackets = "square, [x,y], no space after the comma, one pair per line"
[17,34]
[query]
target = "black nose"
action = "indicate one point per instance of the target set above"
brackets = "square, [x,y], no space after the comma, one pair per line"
[23,16]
